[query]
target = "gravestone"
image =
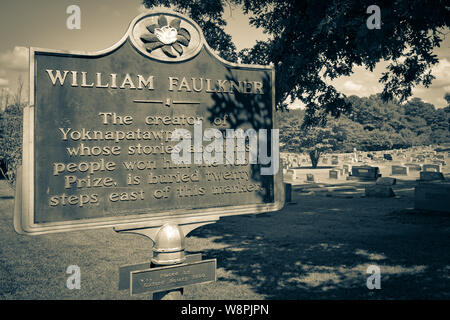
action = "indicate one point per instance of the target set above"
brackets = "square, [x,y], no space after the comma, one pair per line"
[386,181]
[431,176]
[334,161]
[290,175]
[365,173]
[431,167]
[432,196]
[334,174]
[379,191]
[413,166]
[399,170]
[347,168]
[439,162]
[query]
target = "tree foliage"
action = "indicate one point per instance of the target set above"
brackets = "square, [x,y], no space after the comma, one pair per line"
[11,139]
[311,41]
[447,98]
[313,141]
[373,124]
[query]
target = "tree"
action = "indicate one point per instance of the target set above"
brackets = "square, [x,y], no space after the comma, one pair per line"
[310,41]
[11,140]
[313,141]
[447,98]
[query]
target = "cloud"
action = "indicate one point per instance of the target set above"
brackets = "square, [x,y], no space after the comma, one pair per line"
[17,59]
[352,86]
[442,69]
[4,82]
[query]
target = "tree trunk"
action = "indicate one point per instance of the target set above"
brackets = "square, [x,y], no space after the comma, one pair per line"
[314,156]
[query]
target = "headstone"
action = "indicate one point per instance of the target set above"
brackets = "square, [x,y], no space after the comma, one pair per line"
[399,170]
[334,174]
[431,176]
[440,162]
[413,166]
[347,168]
[432,167]
[290,175]
[432,196]
[334,161]
[365,172]
[379,191]
[386,181]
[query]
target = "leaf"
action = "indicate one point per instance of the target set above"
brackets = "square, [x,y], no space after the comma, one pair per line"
[154,45]
[175,23]
[177,48]
[149,38]
[162,21]
[182,40]
[152,27]
[183,32]
[167,49]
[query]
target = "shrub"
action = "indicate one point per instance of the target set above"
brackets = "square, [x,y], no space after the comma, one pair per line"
[11,140]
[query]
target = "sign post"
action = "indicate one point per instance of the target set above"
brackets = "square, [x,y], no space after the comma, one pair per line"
[154,134]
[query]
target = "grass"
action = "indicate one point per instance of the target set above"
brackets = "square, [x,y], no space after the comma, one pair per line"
[318,248]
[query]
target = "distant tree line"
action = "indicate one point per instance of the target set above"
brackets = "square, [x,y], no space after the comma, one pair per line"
[369,125]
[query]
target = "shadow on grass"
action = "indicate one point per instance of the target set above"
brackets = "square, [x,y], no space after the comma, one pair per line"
[331,263]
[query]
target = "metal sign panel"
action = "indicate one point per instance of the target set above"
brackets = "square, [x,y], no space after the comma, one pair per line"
[99,132]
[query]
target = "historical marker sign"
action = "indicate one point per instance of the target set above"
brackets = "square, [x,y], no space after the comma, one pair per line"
[98,134]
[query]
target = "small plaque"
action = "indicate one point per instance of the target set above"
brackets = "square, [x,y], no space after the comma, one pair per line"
[124,271]
[172,277]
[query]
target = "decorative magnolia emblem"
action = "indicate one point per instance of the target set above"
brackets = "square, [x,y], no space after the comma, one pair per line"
[167,36]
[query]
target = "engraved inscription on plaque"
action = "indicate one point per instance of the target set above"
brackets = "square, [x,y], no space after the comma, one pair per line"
[172,277]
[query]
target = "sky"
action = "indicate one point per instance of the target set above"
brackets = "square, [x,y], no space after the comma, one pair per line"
[42,24]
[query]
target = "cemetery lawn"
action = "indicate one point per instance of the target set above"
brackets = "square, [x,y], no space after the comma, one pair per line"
[318,248]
